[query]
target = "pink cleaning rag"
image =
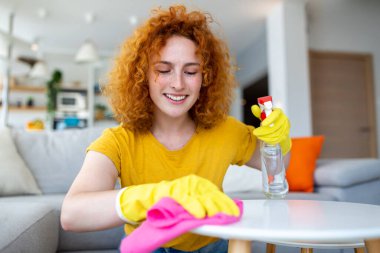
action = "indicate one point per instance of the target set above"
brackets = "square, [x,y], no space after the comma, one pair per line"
[167,220]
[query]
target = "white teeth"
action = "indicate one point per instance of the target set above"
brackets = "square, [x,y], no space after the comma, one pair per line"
[175,98]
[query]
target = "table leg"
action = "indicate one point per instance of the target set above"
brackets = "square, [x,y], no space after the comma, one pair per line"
[373,245]
[306,250]
[271,248]
[359,250]
[239,246]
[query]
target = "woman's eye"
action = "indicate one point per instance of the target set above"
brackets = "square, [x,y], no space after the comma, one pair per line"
[163,71]
[190,72]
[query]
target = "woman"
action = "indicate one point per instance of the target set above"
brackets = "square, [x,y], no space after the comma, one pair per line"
[171,90]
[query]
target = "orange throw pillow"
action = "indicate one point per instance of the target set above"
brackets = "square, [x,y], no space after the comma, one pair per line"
[304,153]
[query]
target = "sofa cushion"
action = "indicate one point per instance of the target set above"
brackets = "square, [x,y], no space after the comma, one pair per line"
[30,227]
[242,179]
[346,172]
[303,158]
[367,192]
[52,200]
[99,240]
[54,157]
[15,176]
[70,241]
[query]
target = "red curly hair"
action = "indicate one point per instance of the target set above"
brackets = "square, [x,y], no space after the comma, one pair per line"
[127,87]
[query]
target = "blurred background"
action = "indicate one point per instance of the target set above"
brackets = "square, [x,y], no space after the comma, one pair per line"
[319,59]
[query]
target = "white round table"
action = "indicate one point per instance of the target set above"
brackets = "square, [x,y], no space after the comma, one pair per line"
[302,223]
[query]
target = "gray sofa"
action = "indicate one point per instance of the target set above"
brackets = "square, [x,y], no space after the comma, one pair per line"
[29,218]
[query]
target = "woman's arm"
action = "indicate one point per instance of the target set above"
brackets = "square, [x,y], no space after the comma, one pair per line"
[90,203]
[255,161]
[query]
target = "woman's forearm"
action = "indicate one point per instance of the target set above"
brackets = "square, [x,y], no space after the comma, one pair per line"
[90,211]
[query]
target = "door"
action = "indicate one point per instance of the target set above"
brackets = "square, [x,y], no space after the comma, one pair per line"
[343,107]
[251,93]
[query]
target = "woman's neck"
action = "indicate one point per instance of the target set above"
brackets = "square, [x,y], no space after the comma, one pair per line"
[173,133]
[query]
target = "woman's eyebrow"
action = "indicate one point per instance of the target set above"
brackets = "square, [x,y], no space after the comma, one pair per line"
[169,63]
[192,64]
[163,62]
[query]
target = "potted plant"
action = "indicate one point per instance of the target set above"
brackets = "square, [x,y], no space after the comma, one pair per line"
[52,90]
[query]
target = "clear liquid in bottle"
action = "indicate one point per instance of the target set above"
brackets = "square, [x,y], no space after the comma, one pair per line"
[275,185]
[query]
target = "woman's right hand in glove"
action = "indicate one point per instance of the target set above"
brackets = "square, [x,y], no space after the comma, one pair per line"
[197,195]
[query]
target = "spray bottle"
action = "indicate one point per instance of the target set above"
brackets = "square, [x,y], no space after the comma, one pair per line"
[275,185]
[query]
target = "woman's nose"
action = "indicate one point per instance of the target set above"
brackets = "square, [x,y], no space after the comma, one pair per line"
[177,82]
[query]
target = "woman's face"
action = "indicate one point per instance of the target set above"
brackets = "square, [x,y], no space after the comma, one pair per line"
[175,78]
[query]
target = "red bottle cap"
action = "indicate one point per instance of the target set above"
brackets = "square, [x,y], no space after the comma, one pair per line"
[262,100]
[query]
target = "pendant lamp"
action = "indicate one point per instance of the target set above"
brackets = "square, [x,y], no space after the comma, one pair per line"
[87,53]
[39,70]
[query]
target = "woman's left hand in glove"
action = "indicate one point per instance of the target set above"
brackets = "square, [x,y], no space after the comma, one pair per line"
[274,129]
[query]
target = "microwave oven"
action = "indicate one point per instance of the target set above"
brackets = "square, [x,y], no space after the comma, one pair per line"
[71,101]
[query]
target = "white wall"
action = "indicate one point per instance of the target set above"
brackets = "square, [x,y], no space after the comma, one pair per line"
[253,62]
[72,72]
[348,26]
[288,69]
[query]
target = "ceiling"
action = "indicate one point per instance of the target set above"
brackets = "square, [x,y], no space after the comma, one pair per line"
[60,26]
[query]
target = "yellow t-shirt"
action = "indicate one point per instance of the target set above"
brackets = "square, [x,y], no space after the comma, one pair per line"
[141,159]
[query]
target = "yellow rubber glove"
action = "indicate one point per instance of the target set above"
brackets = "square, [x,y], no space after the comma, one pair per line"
[274,129]
[197,195]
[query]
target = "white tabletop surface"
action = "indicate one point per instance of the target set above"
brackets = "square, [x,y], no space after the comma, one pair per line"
[301,221]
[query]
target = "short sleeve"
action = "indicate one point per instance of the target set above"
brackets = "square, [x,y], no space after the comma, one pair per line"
[108,145]
[246,144]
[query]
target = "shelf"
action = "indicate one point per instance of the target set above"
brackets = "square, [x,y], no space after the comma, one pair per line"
[42,89]
[73,88]
[26,88]
[25,108]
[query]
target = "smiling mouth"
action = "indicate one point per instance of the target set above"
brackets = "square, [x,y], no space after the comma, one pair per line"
[175,98]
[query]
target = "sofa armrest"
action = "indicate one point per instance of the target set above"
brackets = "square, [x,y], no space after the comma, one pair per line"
[242,179]
[346,172]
